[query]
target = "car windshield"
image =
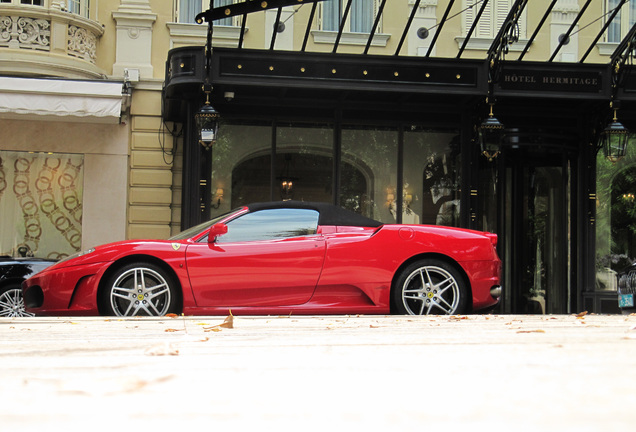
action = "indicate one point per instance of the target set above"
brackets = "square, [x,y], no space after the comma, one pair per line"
[195,230]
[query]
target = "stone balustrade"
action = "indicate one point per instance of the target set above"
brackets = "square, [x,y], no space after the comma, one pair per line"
[55,42]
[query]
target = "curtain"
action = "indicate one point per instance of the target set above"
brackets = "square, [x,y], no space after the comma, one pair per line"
[40,204]
[331,15]
[224,21]
[188,10]
[361,16]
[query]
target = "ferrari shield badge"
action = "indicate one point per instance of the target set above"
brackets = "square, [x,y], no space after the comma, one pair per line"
[176,246]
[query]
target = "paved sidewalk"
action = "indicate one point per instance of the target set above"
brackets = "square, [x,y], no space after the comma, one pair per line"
[512,373]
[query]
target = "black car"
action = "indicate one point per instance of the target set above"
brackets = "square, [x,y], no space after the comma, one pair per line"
[13,271]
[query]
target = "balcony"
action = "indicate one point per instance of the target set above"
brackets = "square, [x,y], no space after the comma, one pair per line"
[48,41]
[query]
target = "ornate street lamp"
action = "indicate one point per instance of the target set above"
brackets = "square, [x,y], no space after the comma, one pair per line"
[207,121]
[614,140]
[207,118]
[490,136]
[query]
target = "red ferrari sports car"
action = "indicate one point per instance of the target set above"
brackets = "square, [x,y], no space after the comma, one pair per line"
[278,258]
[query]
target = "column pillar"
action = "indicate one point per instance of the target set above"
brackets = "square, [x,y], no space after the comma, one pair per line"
[134,38]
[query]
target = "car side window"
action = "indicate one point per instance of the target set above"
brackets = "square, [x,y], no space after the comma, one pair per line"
[270,225]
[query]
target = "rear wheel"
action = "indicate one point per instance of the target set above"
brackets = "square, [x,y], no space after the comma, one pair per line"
[431,286]
[12,303]
[140,289]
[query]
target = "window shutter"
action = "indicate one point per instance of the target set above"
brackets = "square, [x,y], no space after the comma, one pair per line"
[484,27]
[502,8]
[469,15]
[492,19]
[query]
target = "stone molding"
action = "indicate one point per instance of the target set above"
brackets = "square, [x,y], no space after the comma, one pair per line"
[135,20]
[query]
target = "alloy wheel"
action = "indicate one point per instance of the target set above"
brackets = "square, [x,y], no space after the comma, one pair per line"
[12,304]
[140,291]
[431,289]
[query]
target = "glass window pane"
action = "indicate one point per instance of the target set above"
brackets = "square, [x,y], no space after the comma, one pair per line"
[431,177]
[615,217]
[41,204]
[369,172]
[304,162]
[614,29]
[487,195]
[270,225]
[241,167]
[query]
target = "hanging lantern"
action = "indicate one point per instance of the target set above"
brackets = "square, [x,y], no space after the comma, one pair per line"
[614,140]
[207,121]
[490,135]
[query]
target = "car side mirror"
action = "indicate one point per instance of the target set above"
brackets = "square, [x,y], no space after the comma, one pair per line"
[215,231]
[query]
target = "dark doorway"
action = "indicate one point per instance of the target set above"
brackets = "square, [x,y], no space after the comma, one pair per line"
[536,203]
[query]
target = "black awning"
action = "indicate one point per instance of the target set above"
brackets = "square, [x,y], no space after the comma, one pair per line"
[270,80]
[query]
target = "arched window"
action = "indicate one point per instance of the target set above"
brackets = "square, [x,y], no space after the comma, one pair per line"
[299,176]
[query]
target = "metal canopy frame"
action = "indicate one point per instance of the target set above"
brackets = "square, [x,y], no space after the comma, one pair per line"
[244,8]
[566,37]
[507,35]
[351,75]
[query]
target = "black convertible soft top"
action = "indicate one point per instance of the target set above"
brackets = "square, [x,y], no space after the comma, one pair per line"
[329,214]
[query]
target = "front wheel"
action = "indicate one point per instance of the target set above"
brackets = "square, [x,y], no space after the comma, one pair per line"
[140,289]
[12,303]
[428,287]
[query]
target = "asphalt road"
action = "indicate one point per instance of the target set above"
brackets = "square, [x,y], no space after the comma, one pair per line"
[513,373]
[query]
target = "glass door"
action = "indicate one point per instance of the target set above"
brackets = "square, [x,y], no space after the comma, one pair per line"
[537,231]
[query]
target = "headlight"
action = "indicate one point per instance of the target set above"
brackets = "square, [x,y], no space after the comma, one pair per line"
[77,255]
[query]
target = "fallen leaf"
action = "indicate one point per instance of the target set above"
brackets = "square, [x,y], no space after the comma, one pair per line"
[531,331]
[228,323]
[581,315]
[171,330]
[172,315]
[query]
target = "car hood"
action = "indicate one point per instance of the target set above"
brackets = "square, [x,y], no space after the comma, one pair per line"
[114,251]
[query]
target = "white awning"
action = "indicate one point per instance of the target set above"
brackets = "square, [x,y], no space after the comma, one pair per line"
[62,100]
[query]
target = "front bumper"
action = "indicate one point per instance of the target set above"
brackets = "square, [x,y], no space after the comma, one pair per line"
[64,291]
